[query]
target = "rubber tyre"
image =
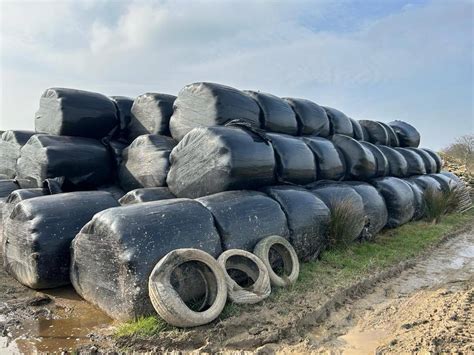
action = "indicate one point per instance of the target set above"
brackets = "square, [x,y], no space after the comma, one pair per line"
[167,302]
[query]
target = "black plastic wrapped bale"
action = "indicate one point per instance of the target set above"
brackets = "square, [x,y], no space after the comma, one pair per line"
[447,183]
[123,106]
[294,160]
[84,163]
[312,119]
[374,207]
[114,190]
[69,112]
[392,136]
[216,159]
[276,115]
[425,182]
[114,254]
[358,132]
[210,104]
[38,234]
[333,194]
[339,123]
[415,164]
[308,219]
[408,136]
[399,199]
[428,161]
[115,148]
[419,199]
[436,157]
[330,162]
[464,198]
[360,162]
[243,218]
[7,187]
[10,145]
[382,167]
[146,195]
[397,163]
[145,162]
[377,134]
[151,114]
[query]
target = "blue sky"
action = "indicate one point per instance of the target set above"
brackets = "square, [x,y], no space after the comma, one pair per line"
[382,60]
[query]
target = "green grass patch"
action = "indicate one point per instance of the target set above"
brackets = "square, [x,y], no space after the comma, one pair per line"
[142,327]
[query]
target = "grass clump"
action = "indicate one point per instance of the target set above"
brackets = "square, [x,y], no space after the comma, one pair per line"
[439,203]
[345,220]
[142,327]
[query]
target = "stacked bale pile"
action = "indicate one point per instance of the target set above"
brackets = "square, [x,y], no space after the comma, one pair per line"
[256,165]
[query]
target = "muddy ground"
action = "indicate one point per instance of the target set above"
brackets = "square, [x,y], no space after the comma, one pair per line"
[412,307]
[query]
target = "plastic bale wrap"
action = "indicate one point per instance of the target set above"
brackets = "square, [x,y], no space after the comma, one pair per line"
[69,112]
[415,164]
[145,162]
[360,162]
[151,114]
[425,182]
[419,199]
[146,195]
[215,159]
[114,190]
[399,199]
[276,115]
[446,183]
[330,162]
[243,218]
[436,157]
[83,162]
[10,145]
[333,193]
[397,164]
[294,160]
[115,148]
[408,136]
[464,198]
[39,231]
[376,132]
[428,161]
[7,186]
[123,106]
[392,136]
[358,133]
[210,104]
[382,167]
[339,123]
[114,254]
[312,119]
[308,219]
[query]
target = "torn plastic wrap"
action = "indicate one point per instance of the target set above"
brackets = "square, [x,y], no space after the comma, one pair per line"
[83,163]
[428,161]
[408,136]
[123,106]
[399,199]
[215,159]
[418,201]
[243,218]
[151,114]
[382,167]
[146,195]
[210,104]
[359,161]
[377,134]
[436,157]
[339,123]
[145,162]
[39,231]
[276,115]
[415,164]
[392,136]
[10,145]
[294,160]
[358,132]
[69,112]
[114,254]
[312,119]
[397,163]
[308,219]
[330,162]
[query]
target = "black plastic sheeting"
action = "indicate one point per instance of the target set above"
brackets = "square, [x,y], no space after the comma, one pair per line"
[392,136]
[357,131]
[215,159]
[146,195]
[408,136]
[82,162]
[294,160]
[115,148]
[382,167]
[330,162]
[415,164]
[446,183]
[399,199]
[7,187]
[114,190]
[151,113]
[429,162]
[418,201]
[123,106]
[308,219]
[374,207]
[312,118]
[377,134]
[70,112]
[210,104]
[39,231]
[425,182]
[145,162]
[10,145]
[243,218]
[397,164]
[333,193]
[276,115]
[114,254]
[360,162]
[436,157]
[339,123]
